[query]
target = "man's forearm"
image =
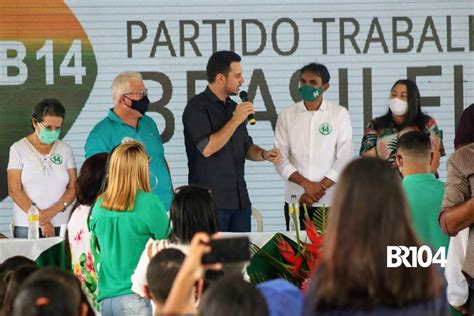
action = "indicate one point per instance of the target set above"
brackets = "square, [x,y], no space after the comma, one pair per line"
[218,139]
[454,219]
[298,178]
[327,183]
[255,153]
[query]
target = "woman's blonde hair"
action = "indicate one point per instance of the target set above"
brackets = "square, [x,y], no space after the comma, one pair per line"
[127,174]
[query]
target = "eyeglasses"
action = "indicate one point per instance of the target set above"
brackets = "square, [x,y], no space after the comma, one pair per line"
[143,93]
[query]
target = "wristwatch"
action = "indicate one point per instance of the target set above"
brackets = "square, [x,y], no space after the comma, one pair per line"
[65,206]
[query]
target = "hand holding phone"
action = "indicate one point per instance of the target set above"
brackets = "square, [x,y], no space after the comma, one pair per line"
[233,249]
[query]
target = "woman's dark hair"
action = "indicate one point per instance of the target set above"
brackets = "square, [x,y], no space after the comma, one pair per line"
[16,262]
[48,106]
[231,295]
[14,279]
[90,178]
[8,265]
[219,63]
[50,291]
[414,117]
[192,210]
[369,212]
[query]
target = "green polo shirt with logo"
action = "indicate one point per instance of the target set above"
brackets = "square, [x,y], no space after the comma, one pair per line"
[112,131]
[425,193]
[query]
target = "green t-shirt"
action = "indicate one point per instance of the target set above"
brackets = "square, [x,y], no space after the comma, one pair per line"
[121,239]
[425,193]
[112,131]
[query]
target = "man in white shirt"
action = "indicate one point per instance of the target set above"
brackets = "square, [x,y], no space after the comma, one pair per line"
[315,140]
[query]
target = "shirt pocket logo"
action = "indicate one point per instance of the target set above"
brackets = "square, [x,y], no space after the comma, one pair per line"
[56,159]
[325,129]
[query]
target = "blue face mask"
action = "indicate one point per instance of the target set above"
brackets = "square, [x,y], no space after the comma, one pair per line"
[309,93]
[46,136]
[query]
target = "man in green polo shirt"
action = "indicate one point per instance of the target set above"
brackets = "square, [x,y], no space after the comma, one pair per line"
[424,192]
[127,121]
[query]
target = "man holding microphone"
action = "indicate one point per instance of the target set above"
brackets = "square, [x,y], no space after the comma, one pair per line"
[217,141]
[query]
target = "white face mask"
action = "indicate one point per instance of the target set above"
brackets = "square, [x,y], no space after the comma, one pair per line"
[398,107]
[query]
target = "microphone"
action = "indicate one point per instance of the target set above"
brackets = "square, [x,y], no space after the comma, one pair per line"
[245,97]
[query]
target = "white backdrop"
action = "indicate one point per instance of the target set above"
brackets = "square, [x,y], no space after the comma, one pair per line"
[390,40]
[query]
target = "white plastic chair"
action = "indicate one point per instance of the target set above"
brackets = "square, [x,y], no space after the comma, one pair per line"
[12,227]
[258,219]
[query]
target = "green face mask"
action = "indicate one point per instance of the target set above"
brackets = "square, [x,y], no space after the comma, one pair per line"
[309,93]
[48,137]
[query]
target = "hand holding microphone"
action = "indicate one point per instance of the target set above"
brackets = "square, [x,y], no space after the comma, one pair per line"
[245,98]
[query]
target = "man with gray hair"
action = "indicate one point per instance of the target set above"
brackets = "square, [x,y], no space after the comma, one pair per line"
[127,121]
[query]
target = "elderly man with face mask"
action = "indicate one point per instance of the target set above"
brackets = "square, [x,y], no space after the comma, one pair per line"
[127,120]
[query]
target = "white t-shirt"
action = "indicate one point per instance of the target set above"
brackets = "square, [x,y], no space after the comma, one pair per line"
[44,178]
[317,144]
[139,276]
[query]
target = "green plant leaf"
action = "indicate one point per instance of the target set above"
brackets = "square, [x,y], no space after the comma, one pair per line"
[320,218]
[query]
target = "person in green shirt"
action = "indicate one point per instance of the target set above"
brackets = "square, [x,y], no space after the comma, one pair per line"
[123,218]
[423,191]
[127,120]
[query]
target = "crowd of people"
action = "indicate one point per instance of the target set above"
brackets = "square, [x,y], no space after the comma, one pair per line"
[136,244]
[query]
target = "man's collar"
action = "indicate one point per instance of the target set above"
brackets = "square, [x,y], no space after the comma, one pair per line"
[322,107]
[418,177]
[114,117]
[214,98]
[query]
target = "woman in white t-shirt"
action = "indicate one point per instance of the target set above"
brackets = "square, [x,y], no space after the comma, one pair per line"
[42,170]
[192,210]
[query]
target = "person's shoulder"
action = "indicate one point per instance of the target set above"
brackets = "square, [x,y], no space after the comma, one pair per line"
[97,207]
[336,108]
[195,105]
[333,104]
[429,120]
[463,153]
[337,112]
[63,146]
[148,121]
[104,122]
[102,130]
[198,100]
[428,117]
[148,198]
[19,145]
[78,216]
[104,127]
[379,124]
